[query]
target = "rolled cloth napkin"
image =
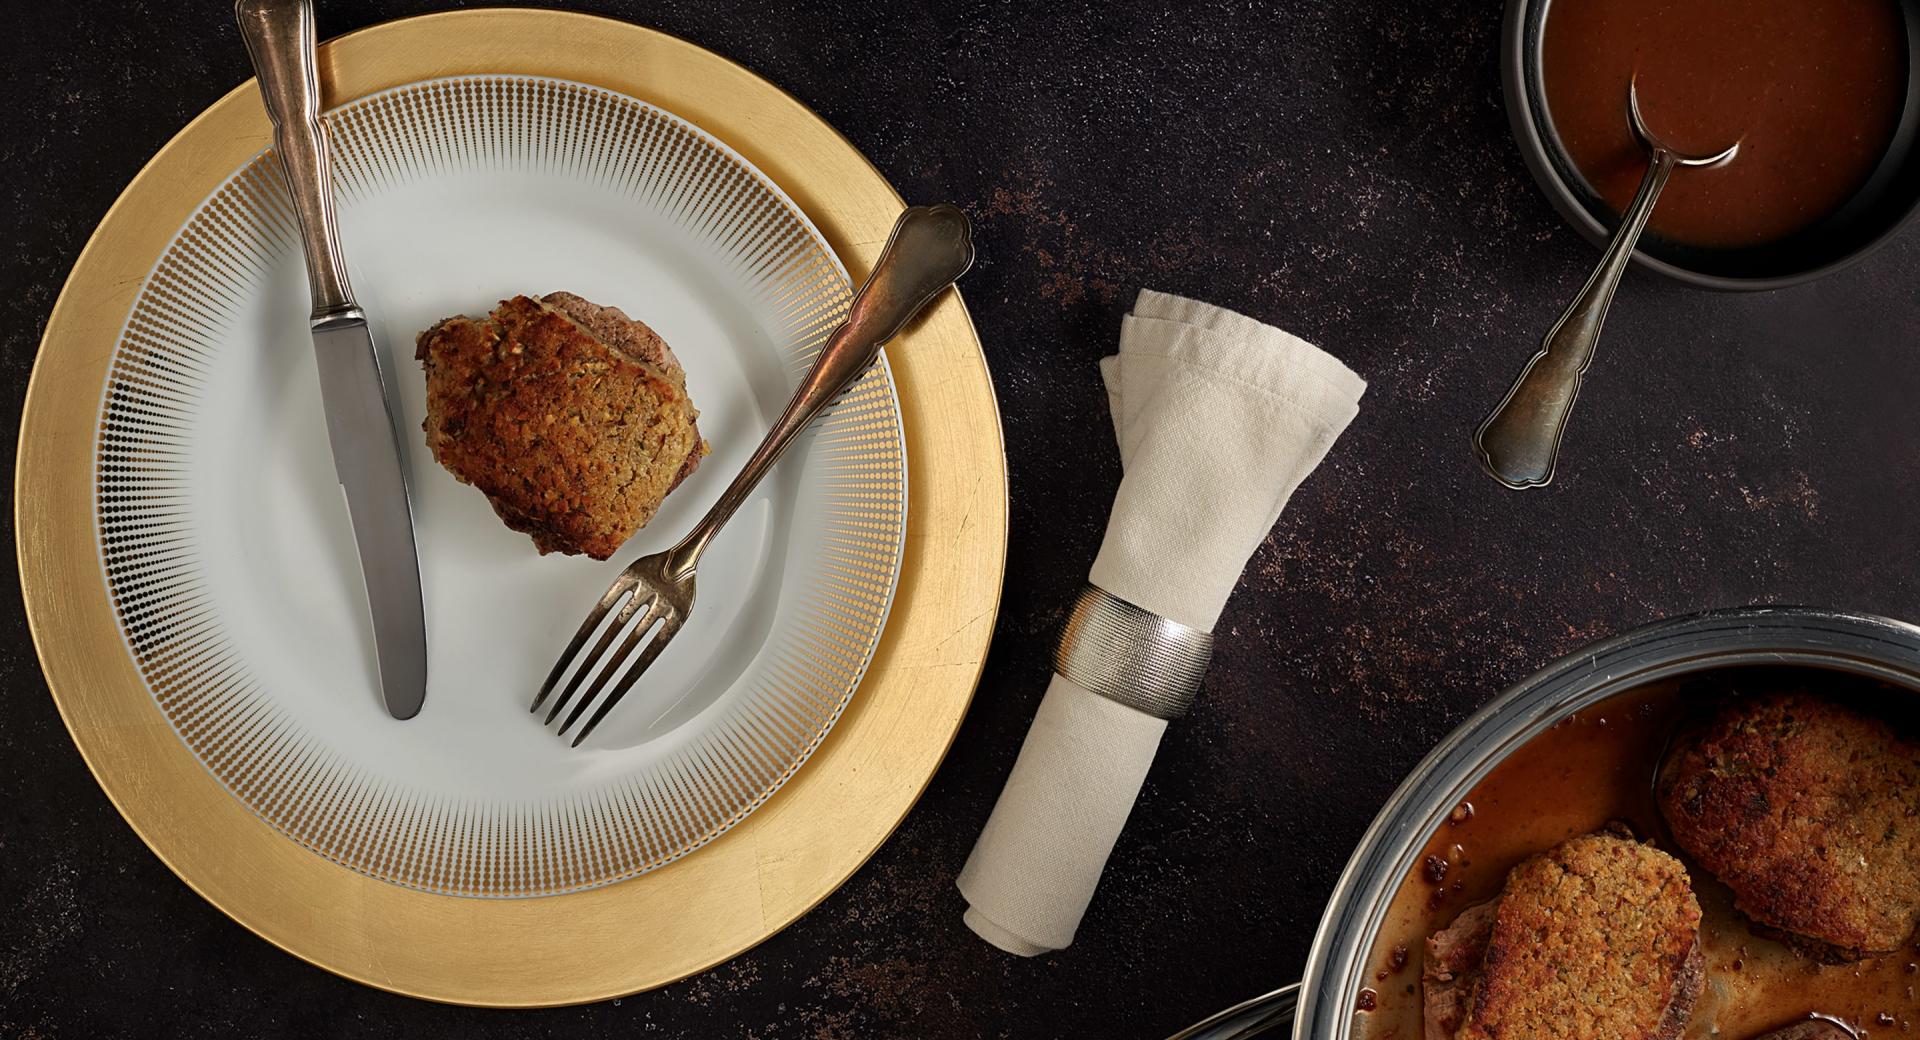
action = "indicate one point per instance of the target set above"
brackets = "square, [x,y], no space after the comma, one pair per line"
[1219,417]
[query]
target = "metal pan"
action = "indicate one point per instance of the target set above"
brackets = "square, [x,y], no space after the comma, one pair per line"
[1268,1014]
[1337,966]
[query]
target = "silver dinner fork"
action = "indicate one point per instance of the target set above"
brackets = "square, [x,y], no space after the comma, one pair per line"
[930,248]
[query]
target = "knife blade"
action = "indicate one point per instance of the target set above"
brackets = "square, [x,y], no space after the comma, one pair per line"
[366,457]
[279,35]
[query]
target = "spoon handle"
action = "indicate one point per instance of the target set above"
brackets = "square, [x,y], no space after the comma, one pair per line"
[1519,442]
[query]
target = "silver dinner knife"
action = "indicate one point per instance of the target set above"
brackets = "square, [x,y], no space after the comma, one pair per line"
[366,448]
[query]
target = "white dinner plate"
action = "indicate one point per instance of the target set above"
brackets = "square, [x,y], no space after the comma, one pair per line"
[231,563]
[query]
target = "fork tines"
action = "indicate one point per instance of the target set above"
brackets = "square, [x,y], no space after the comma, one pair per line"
[599,666]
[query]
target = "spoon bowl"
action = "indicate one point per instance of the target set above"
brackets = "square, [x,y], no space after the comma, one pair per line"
[1637,122]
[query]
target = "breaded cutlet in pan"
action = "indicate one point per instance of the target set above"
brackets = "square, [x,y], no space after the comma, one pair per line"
[1810,812]
[1597,938]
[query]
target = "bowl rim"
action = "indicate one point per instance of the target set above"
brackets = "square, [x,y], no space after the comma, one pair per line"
[1534,152]
[1859,644]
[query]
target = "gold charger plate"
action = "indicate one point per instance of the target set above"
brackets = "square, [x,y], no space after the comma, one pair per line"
[691,914]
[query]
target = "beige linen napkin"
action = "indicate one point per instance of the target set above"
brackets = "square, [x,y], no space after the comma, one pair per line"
[1219,418]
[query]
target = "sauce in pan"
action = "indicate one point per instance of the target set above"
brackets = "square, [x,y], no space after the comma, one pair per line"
[1812,90]
[1596,767]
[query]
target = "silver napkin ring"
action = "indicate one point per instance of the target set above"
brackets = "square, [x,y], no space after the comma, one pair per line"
[1130,655]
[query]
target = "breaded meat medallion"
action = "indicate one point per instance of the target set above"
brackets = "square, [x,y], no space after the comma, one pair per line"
[1810,812]
[1597,938]
[572,418]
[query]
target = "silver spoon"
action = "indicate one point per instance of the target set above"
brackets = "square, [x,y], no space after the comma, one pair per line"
[1520,441]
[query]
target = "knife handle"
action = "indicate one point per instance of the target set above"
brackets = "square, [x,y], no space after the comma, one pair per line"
[280,41]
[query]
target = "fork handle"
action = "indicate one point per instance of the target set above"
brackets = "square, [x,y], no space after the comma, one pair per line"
[930,248]
[280,40]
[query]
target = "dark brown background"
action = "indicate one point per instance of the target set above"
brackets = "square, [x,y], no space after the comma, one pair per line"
[1341,169]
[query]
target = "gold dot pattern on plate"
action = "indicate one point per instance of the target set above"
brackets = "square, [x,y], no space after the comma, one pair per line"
[375,824]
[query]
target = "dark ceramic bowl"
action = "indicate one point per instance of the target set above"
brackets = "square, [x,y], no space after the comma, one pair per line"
[1884,205]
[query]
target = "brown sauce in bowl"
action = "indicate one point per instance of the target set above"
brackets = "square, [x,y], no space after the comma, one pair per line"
[1812,89]
[1596,767]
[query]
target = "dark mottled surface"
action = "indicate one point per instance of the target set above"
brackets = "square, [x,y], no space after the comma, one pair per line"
[1341,169]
